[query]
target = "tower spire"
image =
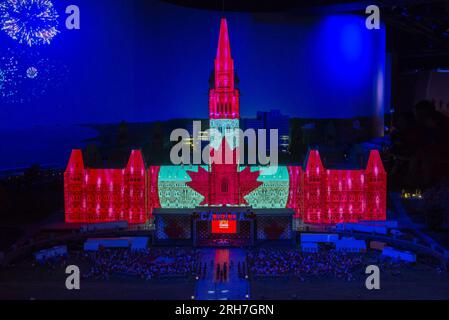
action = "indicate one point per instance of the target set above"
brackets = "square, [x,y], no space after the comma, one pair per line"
[224,46]
[223,96]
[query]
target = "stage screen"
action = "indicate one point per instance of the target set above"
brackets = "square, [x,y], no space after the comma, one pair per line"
[224,226]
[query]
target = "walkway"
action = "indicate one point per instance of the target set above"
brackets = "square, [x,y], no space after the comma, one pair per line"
[211,287]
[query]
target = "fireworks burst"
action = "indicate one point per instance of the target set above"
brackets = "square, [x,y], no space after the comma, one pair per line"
[28,75]
[2,79]
[33,22]
[32,72]
[8,77]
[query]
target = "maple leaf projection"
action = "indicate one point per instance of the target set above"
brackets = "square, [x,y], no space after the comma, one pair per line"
[224,184]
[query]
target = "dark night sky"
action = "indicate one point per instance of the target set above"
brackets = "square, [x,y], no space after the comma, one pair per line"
[152,61]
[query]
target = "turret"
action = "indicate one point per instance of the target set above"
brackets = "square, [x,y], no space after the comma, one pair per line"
[74,197]
[376,188]
[314,166]
[135,184]
[312,184]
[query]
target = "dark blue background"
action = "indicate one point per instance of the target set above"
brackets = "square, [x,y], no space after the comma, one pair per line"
[140,62]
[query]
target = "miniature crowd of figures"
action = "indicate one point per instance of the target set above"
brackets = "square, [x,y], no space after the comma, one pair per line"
[146,264]
[273,262]
[326,263]
[269,262]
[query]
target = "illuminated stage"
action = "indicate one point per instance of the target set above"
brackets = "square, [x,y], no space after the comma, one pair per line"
[223,226]
[233,287]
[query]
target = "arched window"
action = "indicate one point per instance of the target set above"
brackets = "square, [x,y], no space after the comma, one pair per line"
[224,185]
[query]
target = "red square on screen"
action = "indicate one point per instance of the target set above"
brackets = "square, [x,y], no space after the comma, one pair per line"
[224,226]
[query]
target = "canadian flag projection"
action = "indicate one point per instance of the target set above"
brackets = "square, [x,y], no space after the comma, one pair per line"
[315,193]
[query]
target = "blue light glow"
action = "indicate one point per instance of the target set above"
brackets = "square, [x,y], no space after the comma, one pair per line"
[325,66]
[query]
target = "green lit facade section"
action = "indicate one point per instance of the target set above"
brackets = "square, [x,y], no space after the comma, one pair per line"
[172,188]
[273,193]
[175,194]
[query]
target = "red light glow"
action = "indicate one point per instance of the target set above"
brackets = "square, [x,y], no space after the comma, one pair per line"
[324,196]
[224,226]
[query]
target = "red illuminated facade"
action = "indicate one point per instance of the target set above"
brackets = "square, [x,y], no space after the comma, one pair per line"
[315,193]
[320,195]
[103,195]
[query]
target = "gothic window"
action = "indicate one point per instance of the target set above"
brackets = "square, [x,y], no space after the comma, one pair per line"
[224,186]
